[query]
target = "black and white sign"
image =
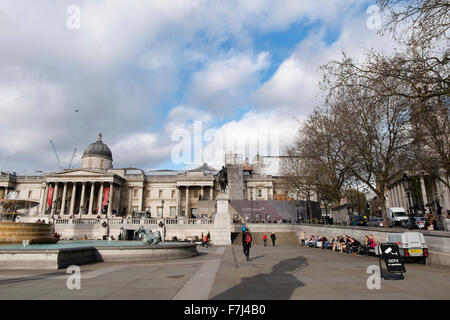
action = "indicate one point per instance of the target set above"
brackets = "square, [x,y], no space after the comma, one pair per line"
[391,255]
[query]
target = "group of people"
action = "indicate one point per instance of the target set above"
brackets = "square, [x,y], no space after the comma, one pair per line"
[206,240]
[340,243]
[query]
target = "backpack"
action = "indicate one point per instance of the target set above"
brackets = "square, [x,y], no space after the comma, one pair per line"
[248,238]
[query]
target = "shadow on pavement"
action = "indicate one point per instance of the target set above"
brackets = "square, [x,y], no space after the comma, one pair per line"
[279,284]
[31,278]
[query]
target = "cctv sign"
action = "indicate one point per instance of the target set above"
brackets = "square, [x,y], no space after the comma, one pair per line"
[391,255]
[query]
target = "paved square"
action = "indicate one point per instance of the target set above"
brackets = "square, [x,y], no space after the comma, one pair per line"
[282,272]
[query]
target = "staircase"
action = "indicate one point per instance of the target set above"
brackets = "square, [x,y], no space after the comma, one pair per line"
[283,238]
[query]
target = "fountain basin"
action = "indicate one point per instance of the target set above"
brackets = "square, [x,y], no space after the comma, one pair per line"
[16,232]
[66,253]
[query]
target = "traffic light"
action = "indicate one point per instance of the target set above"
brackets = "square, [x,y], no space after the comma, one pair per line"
[368,206]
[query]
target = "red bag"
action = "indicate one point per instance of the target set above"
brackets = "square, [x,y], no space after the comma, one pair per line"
[248,238]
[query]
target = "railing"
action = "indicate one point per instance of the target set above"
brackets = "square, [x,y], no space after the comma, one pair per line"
[132,221]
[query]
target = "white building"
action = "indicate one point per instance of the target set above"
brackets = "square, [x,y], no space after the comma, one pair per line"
[97,188]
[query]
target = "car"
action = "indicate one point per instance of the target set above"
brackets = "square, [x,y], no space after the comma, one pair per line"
[361,220]
[375,222]
[378,222]
[419,223]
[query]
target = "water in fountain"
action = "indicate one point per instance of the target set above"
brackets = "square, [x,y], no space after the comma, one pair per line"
[16,232]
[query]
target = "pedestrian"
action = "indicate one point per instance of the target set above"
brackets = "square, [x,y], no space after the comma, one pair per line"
[265,240]
[246,243]
[208,242]
[303,238]
[273,237]
[203,243]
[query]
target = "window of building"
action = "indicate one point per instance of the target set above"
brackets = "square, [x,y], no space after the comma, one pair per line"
[172,211]
[173,194]
[160,193]
[135,193]
[147,194]
[195,194]
[259,193]
[30,194]
[160,212]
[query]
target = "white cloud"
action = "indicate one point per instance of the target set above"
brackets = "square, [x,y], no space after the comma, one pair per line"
[223,83]
[132,61]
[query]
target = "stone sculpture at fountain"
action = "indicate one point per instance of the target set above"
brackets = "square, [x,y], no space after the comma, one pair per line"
[149,237]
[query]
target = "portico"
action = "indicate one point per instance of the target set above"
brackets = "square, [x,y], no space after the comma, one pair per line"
[81,193]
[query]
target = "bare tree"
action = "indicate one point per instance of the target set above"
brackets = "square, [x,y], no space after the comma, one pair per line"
[374,128]
[417,22]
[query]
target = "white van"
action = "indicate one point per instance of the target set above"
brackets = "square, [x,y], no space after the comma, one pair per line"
[397,215]
[411,245]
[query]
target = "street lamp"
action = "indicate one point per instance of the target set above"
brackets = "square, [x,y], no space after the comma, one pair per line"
[162,209]
[406,182]
[325,203]
[251,201]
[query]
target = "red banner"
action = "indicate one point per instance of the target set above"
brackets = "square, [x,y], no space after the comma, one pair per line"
[106,196]
[49,196]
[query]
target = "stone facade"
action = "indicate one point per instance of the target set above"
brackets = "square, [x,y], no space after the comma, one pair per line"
[99,189]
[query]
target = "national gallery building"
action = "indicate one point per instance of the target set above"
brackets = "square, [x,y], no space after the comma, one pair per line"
[98,189]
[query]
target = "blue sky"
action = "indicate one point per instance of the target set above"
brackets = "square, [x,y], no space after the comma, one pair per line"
[138,71]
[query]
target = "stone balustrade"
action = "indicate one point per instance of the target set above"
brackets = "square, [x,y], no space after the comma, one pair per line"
[125,221]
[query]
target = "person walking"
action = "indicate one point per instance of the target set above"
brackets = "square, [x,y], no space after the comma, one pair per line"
[208,241]
[265,240]
[303,238]
[246,243]
[203,240]
[273,237]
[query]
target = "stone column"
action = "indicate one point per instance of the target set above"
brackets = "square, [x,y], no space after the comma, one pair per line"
[83,190]
[55,199]
[72,200]
[141,198]
[211,193]
[446,196]
[130,200]
[119,209]
[178,195]
[64,195]
[400,196]
[100,198]
[43,199]
[187,202]
[111,199]
[424,191]
[91,198]
[5,193]
[201,193]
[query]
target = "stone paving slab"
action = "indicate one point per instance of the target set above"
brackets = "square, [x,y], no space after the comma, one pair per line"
[275,273]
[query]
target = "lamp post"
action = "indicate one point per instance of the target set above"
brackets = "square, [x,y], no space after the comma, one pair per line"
[251,201]
[325,203]
[406,182]
[162,209]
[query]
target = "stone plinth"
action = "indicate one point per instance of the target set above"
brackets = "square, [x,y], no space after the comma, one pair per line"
[222,222]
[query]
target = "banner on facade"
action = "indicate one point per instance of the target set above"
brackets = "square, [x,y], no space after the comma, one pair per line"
[49,197]
[106,196]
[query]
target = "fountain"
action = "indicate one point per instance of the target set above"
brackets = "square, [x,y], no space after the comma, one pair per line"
[41,252]
[13,232]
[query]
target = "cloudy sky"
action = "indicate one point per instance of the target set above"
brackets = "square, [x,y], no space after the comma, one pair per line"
[149,75]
